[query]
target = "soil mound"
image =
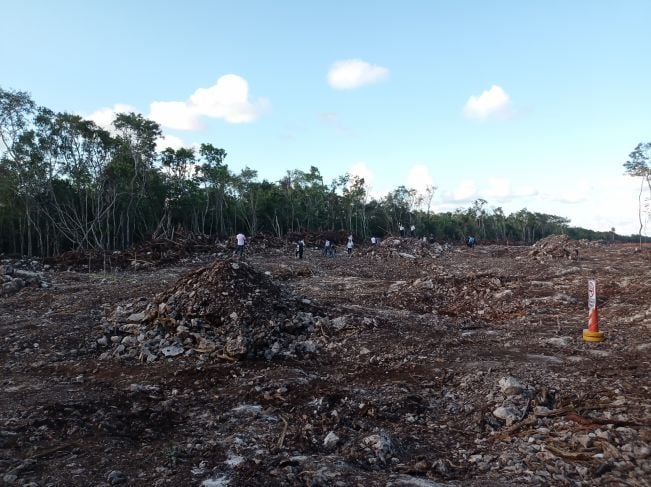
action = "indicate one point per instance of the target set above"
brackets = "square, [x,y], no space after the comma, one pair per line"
[224,310]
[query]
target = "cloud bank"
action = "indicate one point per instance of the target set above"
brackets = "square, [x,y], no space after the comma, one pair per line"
[419,178]
[228,99]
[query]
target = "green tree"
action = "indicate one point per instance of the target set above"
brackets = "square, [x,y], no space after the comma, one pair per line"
[17,111]
[76,153]
[639,165]
[133,170]
[217,180]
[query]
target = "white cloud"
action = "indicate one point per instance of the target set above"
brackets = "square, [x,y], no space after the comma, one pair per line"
[419,178]
[598,203]
[353,73]
[172,141]
[501,189]
[104,117]
[465,191]
[578,193]
[227,99]
[177,115]
[361,170]
[493,103]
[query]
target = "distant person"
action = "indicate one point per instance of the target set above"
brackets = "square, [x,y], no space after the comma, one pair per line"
[373,240]
[349,244]
[326,248]
[241,242]
[402,230]
[424,239]
[470,242]
[412,230]
[333,250]
[300,246]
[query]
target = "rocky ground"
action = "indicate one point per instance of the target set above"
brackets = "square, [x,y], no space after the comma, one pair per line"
[408,364]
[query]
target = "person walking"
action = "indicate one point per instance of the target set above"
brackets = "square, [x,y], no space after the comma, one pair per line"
[299,248]
[241,242]
[402,230]
[349,245]
[333,250]
[373,240]
[326,248]
[412,230]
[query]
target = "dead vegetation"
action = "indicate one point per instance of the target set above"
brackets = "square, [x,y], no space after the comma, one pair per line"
[405,364]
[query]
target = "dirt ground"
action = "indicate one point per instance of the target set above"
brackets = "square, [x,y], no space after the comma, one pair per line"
[456,367]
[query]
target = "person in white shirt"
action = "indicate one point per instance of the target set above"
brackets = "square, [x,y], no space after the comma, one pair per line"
[326,248]
[402,230]
[299,248]
[349,245]
[412,230]
[373,240]
[241,242]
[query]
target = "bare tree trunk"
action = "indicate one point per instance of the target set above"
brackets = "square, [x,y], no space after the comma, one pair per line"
[639,210]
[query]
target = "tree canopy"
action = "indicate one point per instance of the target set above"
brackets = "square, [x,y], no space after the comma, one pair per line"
[66,183]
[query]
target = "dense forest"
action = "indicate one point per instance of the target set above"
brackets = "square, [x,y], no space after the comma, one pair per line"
[66,183]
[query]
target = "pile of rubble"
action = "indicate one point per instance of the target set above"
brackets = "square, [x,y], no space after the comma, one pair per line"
[226,310]
[556,247]
[17,274]
[546,441]
[407,248]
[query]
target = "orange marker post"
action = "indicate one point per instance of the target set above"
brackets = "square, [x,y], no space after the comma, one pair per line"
[592,333]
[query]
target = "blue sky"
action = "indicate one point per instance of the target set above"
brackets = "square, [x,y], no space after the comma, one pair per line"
[524,104]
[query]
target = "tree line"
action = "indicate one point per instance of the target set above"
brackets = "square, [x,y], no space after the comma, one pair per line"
[66,183]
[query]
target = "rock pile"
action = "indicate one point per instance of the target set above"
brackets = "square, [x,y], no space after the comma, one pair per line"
[576,441]
[407,248]
[556,247]
[17,274]
[225,310]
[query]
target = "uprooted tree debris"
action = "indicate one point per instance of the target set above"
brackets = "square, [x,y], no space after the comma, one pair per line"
[406,364]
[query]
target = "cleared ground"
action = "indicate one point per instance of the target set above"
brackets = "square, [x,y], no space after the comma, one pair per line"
[460,367]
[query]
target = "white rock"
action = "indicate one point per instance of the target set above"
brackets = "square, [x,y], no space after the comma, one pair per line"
[559,341]
[381,444]
[137,317]
[507,413]
[510,386]
[503,294]
[330,441]
[584,440]
[172,351]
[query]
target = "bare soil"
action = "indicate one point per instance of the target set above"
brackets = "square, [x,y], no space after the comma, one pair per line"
[403,388]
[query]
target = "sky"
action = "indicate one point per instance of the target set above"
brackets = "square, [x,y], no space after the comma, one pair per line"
[524,104]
